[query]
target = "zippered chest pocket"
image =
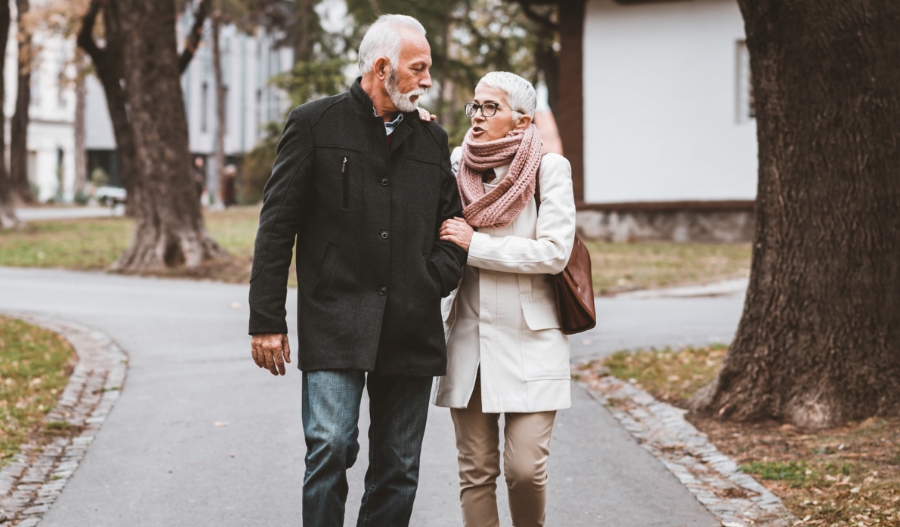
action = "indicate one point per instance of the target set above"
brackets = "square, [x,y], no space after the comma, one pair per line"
[335,168]
[345,180]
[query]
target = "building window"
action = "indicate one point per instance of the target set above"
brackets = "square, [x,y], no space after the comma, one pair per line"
[204,106]
[745,104]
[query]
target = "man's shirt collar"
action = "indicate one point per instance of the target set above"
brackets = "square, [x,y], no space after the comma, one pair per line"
[389,127]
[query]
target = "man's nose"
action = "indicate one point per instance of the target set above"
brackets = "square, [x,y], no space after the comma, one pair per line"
[425,81]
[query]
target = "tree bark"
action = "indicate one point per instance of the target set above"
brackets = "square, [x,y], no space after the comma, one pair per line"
[571,100]
[169,228]
[8,217]
[303,30]
[81,169]
[109,69]
[442,75]
[18,147]
[819,340]
[195,36]
[546,59]
[220,107]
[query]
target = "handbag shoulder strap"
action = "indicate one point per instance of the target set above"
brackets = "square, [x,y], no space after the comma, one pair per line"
[537,189]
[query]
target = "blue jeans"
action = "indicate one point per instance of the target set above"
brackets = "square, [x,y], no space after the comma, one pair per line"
[398,409]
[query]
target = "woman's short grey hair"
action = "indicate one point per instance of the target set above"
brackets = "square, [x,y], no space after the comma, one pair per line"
[520,94]
[384,38]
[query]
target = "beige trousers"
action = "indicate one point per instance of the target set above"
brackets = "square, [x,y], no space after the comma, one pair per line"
[524,463]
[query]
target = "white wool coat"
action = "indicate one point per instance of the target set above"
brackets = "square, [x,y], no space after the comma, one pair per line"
[503,316]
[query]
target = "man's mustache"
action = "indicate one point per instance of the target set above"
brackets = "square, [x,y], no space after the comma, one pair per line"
[417,92]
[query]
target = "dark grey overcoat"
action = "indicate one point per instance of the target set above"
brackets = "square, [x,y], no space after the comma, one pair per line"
[370,268]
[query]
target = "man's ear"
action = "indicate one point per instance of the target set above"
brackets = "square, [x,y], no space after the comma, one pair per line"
[523,122]
[382,68]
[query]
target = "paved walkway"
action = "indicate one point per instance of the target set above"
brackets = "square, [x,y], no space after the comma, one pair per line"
[160,459]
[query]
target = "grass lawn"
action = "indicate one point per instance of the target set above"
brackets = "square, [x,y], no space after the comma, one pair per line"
[34,369]
[649,265]
[841,477]
[93,244]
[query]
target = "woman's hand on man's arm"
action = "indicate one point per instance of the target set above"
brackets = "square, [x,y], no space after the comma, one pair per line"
[458,232]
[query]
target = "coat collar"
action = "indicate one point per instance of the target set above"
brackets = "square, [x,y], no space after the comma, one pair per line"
[362,99]
[364,104]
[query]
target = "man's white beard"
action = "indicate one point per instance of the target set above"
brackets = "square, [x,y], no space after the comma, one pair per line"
[402,100]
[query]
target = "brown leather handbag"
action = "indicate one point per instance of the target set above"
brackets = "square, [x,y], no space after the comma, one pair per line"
[574,286]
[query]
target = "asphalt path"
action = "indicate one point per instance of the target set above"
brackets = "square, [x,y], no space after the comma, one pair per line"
[160,458]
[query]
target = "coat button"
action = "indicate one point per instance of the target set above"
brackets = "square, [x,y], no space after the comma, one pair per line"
[384,182]
[382,291]
[384,235]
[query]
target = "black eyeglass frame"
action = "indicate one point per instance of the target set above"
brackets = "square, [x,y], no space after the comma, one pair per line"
[472,109]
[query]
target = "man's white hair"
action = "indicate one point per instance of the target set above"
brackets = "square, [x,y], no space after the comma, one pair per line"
[520,94]
[384,38]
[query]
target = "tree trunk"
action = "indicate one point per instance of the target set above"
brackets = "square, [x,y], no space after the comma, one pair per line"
[819,340]
[169,228]
[81,169]
[571,100]
[442,75]
[8,217]
[303,31]
[220,107]
[547,62]
[18,148]
[109,69]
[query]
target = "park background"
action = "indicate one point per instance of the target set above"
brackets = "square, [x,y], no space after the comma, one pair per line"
[178,106]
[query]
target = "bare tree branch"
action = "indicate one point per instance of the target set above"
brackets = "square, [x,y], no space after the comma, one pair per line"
[86,33]
[534,16]
[195,36]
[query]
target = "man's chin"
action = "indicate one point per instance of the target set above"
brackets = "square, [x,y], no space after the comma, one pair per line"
[406,108]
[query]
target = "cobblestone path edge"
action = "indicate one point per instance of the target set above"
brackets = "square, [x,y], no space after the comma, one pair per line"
[733,497]
[32,482]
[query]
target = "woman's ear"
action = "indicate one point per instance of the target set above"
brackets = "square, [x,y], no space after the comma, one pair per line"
[523,122]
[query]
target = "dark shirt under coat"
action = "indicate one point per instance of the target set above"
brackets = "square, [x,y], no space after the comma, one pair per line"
[370,268]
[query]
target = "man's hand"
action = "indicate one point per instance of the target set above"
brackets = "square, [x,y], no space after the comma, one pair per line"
[425,116]
[457,231]
[271,351]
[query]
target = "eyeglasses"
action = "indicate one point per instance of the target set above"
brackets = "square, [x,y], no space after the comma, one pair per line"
[488,109]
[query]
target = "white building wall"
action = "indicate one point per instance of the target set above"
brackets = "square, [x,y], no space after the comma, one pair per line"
[52,113]
[661,99]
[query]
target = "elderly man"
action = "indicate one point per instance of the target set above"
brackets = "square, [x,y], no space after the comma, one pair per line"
[364,185]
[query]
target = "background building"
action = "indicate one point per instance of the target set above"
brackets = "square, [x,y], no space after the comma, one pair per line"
[667,103]
[656,116]
[51,132]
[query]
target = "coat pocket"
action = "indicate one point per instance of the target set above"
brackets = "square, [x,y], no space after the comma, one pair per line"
[545,350]
[325,272]
[345,177]
[540,314]
[545,356]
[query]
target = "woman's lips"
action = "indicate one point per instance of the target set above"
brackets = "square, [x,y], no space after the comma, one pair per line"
[477,130]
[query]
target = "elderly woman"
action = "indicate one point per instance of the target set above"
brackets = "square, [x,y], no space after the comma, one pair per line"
[506,351]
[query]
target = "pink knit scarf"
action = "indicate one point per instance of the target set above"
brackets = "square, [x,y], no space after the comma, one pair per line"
[521,149]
